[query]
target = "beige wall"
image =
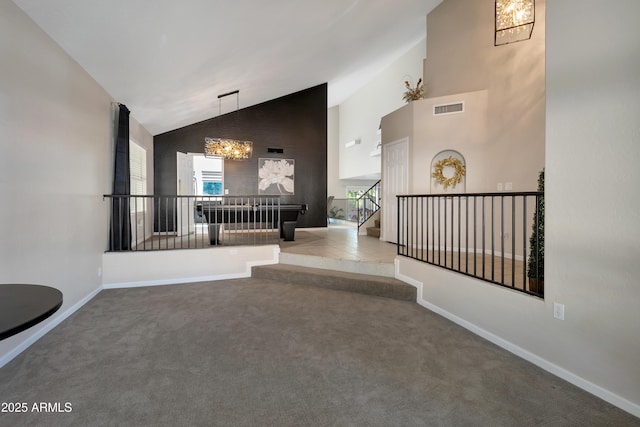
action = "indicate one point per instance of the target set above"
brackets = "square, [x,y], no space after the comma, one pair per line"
[360,115]
[56,139]
[501,133]
[461,58]
[593,202]
[592,215]
[428,135]
[334,186]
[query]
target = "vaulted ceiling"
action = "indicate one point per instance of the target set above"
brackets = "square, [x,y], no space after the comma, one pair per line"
[168,60]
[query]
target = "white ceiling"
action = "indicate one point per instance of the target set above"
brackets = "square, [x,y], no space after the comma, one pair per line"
[168,60]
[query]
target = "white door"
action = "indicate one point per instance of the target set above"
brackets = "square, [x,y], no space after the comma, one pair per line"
[185,214]
[395,180]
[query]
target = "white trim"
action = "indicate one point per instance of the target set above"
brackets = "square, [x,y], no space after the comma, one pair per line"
[410,280]
[46,328]
[556,370]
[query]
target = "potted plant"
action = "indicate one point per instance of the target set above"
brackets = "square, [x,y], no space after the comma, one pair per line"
[536,244]
[336,212]
[413,93]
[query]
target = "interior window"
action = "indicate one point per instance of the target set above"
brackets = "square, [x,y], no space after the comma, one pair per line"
[137,174]
[209,175]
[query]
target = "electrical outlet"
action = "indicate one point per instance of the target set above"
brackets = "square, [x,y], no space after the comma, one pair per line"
[508,186]
[499,186]
[558,311]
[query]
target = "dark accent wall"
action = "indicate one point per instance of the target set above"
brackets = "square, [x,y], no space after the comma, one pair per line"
[297,123]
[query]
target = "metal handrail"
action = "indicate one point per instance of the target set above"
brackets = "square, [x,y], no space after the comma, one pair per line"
[483,235]
[369,203]
[158,222]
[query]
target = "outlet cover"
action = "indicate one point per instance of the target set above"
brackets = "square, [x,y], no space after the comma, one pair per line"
[558,311]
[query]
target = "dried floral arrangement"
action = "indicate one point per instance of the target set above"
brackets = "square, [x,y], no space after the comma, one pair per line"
[413,93]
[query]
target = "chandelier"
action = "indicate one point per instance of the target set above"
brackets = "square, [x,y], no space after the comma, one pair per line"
[232,149]
[514,21]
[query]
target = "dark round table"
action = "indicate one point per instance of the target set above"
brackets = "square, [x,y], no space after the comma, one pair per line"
[23,306]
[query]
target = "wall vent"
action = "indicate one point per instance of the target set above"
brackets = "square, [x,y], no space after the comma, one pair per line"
[457,107]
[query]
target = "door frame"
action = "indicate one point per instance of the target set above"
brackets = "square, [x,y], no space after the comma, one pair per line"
[389,214]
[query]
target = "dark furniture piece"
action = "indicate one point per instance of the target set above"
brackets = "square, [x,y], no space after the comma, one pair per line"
[272,214]
[23,306]
[288,230]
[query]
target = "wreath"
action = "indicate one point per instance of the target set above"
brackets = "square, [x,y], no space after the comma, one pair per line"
[457,176]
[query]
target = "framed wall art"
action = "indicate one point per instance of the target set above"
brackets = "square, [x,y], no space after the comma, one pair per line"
[276,176]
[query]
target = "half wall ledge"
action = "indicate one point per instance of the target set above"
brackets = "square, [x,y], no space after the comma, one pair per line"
[153,268]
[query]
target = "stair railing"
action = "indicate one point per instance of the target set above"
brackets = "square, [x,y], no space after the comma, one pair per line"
[369,203]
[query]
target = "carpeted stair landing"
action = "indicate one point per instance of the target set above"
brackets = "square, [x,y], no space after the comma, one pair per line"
[386,287]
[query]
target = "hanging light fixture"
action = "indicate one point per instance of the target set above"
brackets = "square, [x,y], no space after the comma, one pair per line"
[514,20]
[231,149]
[227,148]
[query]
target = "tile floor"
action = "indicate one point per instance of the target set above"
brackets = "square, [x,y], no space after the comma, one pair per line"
[340,242]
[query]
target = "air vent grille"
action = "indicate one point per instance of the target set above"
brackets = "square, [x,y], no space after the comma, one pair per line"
[457,107]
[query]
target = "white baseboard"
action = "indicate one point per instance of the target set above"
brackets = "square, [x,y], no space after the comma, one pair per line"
[556,370]
[59,318]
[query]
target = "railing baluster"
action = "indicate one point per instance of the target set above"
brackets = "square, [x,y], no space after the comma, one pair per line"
[422,230]
[459,230]
[466,236]
[439,231]
[502,238]
[425,230]
[433,230]
[475,236]
[399,202]
[513,240]
[493,236]
[444,230]
[524,242]
[483,237]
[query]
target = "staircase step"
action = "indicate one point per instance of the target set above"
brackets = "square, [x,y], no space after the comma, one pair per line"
[374,268]
[386,287]
[373,231]
[377,223]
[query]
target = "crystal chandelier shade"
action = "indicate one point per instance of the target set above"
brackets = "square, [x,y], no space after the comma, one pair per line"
[514,20]
[231,149]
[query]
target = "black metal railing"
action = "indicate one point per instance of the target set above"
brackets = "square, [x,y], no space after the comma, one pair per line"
[483,235]
[369,203]
[151,222]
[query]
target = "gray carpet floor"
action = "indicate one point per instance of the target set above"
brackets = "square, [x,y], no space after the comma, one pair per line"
[255,352]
